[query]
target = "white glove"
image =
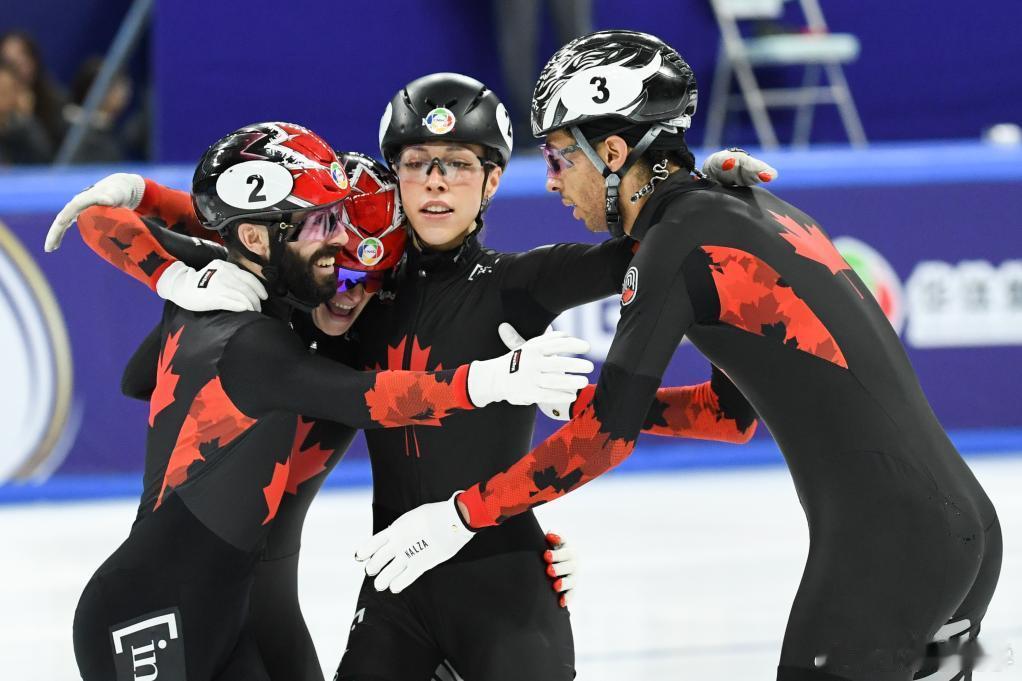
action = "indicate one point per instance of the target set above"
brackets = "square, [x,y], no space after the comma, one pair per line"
[220,285]
[735,168]
[120,190]
[419,540]
[561,568]
[559,411]
[537,371]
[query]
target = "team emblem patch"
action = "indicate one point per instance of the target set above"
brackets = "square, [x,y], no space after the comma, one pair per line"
[439,121]
[370,251]
[337,173]
[630,287]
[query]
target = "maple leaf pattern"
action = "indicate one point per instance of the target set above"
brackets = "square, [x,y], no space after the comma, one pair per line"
[173,209]
[118,236]
[580,451]
[691,411]
[274,491]
[418,361]
[401,398]
[810,242]
[754,298]
[306,463]
[211,417]
[166,379]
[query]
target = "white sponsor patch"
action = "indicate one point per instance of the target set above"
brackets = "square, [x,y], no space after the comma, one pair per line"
[439,121]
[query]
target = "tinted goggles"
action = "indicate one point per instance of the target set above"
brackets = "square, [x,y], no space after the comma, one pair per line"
[349,279]
[321,224]
[556,161]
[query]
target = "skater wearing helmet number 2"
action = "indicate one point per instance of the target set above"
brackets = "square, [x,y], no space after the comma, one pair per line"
[173,599]
[905,547]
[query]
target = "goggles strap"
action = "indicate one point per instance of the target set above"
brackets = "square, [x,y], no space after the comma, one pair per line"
[611,179]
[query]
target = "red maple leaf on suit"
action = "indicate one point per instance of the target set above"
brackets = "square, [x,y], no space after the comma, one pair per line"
[166,380]
[418,361]
[305,463]
[212,419]
[810,242]
[274,491]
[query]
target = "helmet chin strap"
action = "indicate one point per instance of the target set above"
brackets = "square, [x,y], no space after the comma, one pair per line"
[612,179]
[484,200]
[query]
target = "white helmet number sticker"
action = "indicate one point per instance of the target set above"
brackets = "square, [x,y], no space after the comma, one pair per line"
[254,184]
[504,125]
[608,88]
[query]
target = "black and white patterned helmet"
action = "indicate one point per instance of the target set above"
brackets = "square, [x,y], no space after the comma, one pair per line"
[635,77]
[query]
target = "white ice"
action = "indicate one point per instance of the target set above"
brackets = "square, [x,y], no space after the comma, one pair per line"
[684,575]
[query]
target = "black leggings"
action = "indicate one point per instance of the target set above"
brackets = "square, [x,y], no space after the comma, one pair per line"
[170,602]
[492,618]
[891,561]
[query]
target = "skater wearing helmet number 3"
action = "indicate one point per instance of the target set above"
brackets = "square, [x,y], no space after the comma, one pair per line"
[905,546]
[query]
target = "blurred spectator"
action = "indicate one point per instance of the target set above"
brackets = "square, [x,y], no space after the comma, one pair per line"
[518,31]
[102,142]
[21,51]
[22,138]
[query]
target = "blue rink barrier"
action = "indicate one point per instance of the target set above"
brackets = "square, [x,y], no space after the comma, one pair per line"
[356,472]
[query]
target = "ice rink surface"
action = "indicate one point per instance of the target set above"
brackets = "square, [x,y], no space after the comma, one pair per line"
[684,575]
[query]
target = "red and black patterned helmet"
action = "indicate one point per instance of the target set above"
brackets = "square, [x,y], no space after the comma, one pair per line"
[264,173]
[372,215]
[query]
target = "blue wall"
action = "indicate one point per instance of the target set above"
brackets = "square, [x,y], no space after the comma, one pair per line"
[929,68]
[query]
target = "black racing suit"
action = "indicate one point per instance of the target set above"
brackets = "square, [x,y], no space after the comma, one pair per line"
[902,537]
[275,621]
[489,611]
[544,277]
[174,598]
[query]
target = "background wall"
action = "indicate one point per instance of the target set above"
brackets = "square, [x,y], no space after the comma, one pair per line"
[928,68]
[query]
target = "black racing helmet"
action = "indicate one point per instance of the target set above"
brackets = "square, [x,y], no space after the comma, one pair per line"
[627,75]
[446,107]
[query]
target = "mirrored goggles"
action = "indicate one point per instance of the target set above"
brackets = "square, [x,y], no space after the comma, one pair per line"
[556,161]
[321,224]
[349,279]
[453,169]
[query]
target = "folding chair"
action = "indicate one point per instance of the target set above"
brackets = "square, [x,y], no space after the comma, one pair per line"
[817,50]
